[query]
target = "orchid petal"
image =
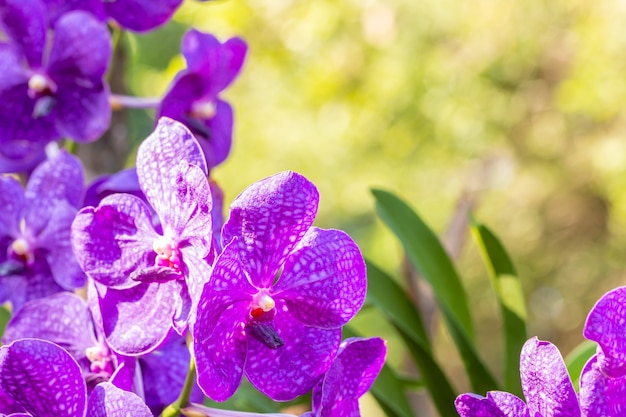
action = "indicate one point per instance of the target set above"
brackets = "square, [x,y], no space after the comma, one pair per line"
[269,218]
[324,280]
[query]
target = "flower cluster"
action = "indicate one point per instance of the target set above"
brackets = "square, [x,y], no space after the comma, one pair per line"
[133,295]
[546,384]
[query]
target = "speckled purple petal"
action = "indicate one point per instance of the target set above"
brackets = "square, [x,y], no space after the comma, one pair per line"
[217,327]
[141,15]
[55,239]
[11,205]
[43,378]
[114,240]
[107,400]
[509,404]
[185,208]
[219,63]
[220,350]
[472,405]
[182,308]
[137,320]
[324,280]
[23,22]
[164,372]
[158,159]
[293,369]
[605,325]
[56,179]
[8,406]
[545,381]
[61,318]
[199,272]
[350,376]
[270,217]
[601,396]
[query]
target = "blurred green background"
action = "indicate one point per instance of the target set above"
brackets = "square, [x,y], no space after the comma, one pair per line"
[515,105]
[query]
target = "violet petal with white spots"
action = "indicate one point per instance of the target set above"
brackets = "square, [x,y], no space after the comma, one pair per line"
[61,318]
[137,320]
[545,381]
[269,218]
[293,369]
[107,400]
[605,325]
[220,351]
[43,378]
[472,405]
[114,239]
[324,280]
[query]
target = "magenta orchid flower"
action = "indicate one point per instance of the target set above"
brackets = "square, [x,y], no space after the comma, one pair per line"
[278,296]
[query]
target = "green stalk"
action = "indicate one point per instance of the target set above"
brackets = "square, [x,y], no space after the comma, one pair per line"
[174,409]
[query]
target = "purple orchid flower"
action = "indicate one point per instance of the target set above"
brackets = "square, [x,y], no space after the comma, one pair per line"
[336,394]
[351,375]
[147,281]
[545,382]
[50,91]
[600,395]
[284,332]
[65,319]
[135,15]
[36,257]
[194,99]
[44,379]
[126,181]
[605,326]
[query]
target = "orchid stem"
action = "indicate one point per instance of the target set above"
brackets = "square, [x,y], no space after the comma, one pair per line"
[174,409]
[120,101]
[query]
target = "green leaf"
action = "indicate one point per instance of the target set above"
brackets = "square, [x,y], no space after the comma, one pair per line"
[577,358]
[508,289]
[429,257]
[387,295]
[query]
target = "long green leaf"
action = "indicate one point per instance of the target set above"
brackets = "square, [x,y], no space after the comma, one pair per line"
[429,257]
[390,298]
[388,389]
[508,289]
[577,358]
[385,293]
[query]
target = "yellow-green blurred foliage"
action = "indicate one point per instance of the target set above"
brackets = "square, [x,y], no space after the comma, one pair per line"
[520,102]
